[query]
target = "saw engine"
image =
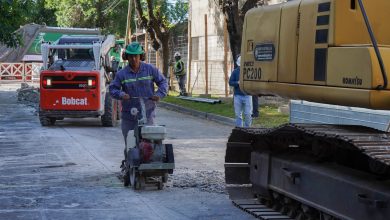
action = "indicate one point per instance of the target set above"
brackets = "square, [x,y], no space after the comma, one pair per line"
[149,160]
[146,149]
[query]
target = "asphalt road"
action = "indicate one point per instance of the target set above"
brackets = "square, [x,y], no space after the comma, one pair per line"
[69,171]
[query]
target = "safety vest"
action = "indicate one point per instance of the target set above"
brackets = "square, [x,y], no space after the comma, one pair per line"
[179,68]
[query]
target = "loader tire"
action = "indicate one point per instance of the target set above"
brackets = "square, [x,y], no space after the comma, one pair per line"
[109,118]
[47,121]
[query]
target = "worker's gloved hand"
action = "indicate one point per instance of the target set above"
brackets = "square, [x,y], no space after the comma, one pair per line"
[126,97]
[155,98]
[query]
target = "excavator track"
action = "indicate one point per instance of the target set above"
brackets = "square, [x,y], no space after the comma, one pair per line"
[255,208]
[308,171]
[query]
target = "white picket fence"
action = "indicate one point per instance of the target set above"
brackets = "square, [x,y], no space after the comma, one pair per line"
[23,72]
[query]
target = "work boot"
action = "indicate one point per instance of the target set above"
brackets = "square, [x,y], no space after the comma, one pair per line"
[123,164]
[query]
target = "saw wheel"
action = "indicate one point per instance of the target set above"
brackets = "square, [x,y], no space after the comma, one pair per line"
[136,180]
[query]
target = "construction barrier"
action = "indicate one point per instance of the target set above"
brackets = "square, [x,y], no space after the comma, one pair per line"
[20,71]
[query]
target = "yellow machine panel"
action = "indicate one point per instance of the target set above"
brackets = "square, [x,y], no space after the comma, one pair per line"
[309,44]
[318,50]
[267,28]
[349,27]
[355,65]
[358,67]
[287,67]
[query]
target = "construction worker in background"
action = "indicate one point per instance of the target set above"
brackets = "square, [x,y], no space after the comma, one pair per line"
[180,74]
[137,80]
[242,102]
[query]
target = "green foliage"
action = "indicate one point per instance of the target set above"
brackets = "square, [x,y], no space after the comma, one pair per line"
[269,115]
[178,12]
[168,12]
[41,15]
[117,19]
[225,108]
[15,13]
[72,12]
[110,16]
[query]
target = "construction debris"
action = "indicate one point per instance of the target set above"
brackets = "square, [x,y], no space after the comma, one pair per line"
[208,181]
[29,95]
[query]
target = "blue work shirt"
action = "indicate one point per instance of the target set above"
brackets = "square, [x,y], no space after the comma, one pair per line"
[234,82]
[139,84]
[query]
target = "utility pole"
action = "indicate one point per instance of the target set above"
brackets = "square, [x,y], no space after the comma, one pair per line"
[206,58]
[225,57]
[128,26]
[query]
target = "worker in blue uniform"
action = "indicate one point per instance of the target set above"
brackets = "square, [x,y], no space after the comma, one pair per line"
[137,80]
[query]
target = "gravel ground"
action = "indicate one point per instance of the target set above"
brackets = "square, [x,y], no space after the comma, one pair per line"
[208,181]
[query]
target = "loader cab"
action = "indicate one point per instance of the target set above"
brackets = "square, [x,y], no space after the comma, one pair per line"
[71,59]
[73,53]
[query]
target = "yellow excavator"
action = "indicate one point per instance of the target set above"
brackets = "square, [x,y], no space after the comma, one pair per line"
[326,51]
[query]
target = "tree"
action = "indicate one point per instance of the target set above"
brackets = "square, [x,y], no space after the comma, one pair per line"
[15,13]
[109,16]
[74,13]
[41,15]
[12,16]
[158,18]
[234,17]
[115,17]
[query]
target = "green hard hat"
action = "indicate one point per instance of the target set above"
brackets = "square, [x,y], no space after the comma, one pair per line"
[134,48]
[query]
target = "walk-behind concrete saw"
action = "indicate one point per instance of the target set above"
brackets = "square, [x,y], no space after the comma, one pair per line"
[149,161]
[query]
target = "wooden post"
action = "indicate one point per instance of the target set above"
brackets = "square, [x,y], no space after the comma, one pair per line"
[128,26]
[225,58]
[206,55]
[146,48]
[171,77]
[24,72]
[157,61]
[189,56]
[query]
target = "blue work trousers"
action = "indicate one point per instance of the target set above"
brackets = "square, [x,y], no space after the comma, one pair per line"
[243,107]
[181,80]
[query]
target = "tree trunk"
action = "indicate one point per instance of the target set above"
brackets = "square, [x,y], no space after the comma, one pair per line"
[234,20]
[100,22]
[157,32]
[164,54]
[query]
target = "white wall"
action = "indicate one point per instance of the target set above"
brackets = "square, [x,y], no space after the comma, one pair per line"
[215,22]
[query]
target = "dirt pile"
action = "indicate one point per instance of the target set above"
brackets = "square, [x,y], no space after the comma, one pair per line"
[28,95]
